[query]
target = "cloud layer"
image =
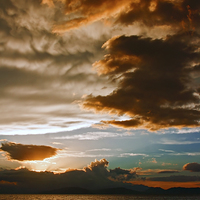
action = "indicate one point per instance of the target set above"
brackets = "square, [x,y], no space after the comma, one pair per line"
[94,176]
[42,73]
[180,178]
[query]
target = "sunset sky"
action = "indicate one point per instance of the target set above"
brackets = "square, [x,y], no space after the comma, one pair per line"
[99,94]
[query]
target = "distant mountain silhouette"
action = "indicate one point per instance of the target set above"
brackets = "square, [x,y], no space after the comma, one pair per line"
[125,191]
[117,190]
[184,191]
[173,191]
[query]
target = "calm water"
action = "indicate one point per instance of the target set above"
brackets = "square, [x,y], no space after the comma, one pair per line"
[90,197]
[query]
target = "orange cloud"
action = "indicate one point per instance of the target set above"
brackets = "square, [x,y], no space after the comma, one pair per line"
[151,13]
[162,12]
[193,167]
[166,185]
[2,182]
[48,2]
[22,152]
[87,11]
[156,171]
[167,171]
[133,123]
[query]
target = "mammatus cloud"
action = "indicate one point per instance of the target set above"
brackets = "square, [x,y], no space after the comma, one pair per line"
[22,152]
[193,167]
[156,83]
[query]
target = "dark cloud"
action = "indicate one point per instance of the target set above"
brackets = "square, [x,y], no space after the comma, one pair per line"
[122,174]
[167,171]
[95,176]
[180,178]
[117,174]
[99,167]
[193,167]
[22,152]
[178,14]
[156,87]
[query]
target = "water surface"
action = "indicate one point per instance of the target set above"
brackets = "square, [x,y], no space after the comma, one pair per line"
[91,197]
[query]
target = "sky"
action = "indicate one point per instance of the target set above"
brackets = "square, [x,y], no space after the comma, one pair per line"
[99,94]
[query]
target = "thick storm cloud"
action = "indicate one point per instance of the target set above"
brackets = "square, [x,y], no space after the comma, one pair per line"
[157,87]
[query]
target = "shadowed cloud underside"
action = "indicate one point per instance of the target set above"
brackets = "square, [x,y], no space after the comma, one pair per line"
[156,83]
[22,152]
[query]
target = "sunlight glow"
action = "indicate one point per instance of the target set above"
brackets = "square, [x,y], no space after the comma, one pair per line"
[40,165]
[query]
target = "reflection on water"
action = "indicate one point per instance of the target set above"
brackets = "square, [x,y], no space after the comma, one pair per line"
[90,197]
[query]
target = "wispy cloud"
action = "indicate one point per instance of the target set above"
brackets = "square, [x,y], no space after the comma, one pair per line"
[167,151]
[103,149]
[186,154]
[155,171]
[184,131]
[132,154]
[84,154]
[92,136]
[178,142]
[167,164]
[177,178]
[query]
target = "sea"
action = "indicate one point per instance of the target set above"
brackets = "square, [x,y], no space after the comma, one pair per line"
[91,197]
